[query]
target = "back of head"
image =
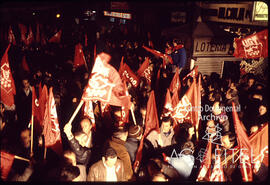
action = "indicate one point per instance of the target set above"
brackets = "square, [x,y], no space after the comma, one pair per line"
[69,173]
[110,152]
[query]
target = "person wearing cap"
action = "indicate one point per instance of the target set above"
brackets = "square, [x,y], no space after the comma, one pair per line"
[133,141]
[110,168]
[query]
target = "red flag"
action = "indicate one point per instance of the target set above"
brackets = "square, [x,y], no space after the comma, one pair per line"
[43,97]
[6,163]
[166,58]
[252,46]
[11,37]
[51,129]
[245,147]
[23,30]
[186,108]
[127,74]
[175,83]
[7,83]
[30,37]
[193,73]
[151,123]
[105,84]
[259,145]
[145,71]
[35,107]
[85,40]
[167,109]
[205,164]
[79,59]
[217,173]
[56,38]
[25,65]
[88,111]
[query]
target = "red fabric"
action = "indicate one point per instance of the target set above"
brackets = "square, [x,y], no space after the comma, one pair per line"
[127,74]
[51,129]
[165,57]
[145,71]
[43,98]
[193,73]
[205,164]
[36,107]
[11,37]
[252,46]
[217,174]
[177,47]
[7,83]
[88,111]
[185,109]
[6,163]
[25,65]
[56,38]
[30,38]
[105,84]
[175,83]
[38,34]
[167,109]
[245,147]
[259,145]
[79,59]
[151,123]
[23,30]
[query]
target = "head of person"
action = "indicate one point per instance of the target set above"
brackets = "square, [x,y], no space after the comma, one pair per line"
[121,133]
[228,140]
[211,127]
[82,138]
[117,114]
[231,94]
[25,137]
[166,124]
[86,125]
[251,81]
[25,83]
[143,111]
[70,173]
[263,109]
[70,157]
[110,157]
[135,131]
[187,148]
[2,108]
[186,131]
[217,109]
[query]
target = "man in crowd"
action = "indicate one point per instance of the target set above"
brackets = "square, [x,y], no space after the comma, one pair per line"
[108,169]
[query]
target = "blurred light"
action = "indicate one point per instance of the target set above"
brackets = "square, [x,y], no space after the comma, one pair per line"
[58,15]
[94,11]
[34,13]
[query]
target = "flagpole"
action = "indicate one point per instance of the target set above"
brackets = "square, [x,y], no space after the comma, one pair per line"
[45,152]
[21,158]
[32,135]
[76,111]
[133,116]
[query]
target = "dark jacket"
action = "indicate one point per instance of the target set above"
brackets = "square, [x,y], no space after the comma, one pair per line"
[83,154]
[98,172]
[132,145]
[119,146]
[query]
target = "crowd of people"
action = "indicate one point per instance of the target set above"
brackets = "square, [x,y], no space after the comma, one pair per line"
[106,151]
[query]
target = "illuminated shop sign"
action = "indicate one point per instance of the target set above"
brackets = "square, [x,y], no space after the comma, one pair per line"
[240,13]
[260,11]
[206,47]
[118,15]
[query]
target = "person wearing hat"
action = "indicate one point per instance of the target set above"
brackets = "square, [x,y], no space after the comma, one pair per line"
[133,141]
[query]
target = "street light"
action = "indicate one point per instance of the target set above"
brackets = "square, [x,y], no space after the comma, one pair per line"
[58,16]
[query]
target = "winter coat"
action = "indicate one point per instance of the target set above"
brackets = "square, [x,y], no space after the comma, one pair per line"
[83,154]
[153,137]
[119,146]
[132,145]
[98,172]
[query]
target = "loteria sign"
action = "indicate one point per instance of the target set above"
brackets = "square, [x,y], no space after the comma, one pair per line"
[118,15]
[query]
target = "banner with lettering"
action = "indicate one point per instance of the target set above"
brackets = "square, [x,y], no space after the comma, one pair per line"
[252,46]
